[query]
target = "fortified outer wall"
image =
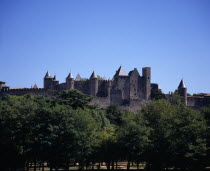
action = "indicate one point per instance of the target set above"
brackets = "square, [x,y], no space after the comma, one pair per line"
[122,89]
[82,86]
[198,101]
[103,102]
[19,92]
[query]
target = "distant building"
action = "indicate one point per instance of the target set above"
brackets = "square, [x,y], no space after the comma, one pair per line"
[3,86]
[35,86]
[123,87]
[131,88]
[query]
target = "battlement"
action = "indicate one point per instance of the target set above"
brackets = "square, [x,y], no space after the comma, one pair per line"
[22,91]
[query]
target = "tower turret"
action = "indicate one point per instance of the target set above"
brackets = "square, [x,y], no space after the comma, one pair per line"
[182,91]
[70,81]
[146,71]
[48,81]
[93,84]
[55,82]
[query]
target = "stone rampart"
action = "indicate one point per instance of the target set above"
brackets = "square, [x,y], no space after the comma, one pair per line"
[19,92]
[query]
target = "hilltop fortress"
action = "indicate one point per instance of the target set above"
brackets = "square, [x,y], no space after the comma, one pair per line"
[123,89]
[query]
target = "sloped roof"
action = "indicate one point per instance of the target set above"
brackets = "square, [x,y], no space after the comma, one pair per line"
[2,82]
[121,72]
[55,78]
[181,84]
[93,75]
[70,75]
[47,75]
[35,86]
[78,77]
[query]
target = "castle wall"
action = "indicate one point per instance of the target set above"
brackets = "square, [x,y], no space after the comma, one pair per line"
[101,101]
[101,88]
[122,83]
[61,86]
[82,86]
[116,97]
[37,91]
[198,101]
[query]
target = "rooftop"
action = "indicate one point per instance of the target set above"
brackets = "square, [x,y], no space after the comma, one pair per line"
[121,72]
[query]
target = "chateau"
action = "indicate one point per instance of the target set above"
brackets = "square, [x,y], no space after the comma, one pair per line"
[131,88]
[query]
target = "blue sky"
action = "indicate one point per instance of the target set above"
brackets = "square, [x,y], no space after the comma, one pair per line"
[170,36]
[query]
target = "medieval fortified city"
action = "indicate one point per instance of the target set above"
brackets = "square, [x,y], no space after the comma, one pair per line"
[123,89]
[105,85]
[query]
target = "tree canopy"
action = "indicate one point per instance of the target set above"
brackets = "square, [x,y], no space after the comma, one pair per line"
[64,130]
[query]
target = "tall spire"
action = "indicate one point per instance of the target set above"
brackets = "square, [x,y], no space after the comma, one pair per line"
[181,84]
[93,75]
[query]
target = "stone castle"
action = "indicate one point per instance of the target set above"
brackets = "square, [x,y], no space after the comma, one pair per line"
[121,89]
[131,88]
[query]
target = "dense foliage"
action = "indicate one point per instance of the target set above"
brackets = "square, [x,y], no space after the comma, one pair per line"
[64,130]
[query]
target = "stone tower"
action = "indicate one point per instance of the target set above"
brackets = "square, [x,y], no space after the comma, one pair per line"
[134,83]
[146,71]
[48,81]
[69,82]
[182,91]
[93,84]
[55,82]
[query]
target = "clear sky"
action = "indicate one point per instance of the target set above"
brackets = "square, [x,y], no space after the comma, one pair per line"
[170,36]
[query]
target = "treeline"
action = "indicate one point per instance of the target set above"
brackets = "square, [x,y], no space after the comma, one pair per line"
[64,130]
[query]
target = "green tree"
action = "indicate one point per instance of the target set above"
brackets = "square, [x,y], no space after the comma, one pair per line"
[175,99]
[133,138]
[16,115]
[206,113]
[114,114]
[73,98]
[157,95]
[177,136]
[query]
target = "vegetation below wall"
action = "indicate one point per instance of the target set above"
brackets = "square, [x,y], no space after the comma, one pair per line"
[64,130]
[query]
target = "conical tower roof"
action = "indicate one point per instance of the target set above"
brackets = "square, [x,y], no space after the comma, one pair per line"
[47,75]
[55,78]
[78,77]
[121,72]
[181,84]
[93,75]
[70,75]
